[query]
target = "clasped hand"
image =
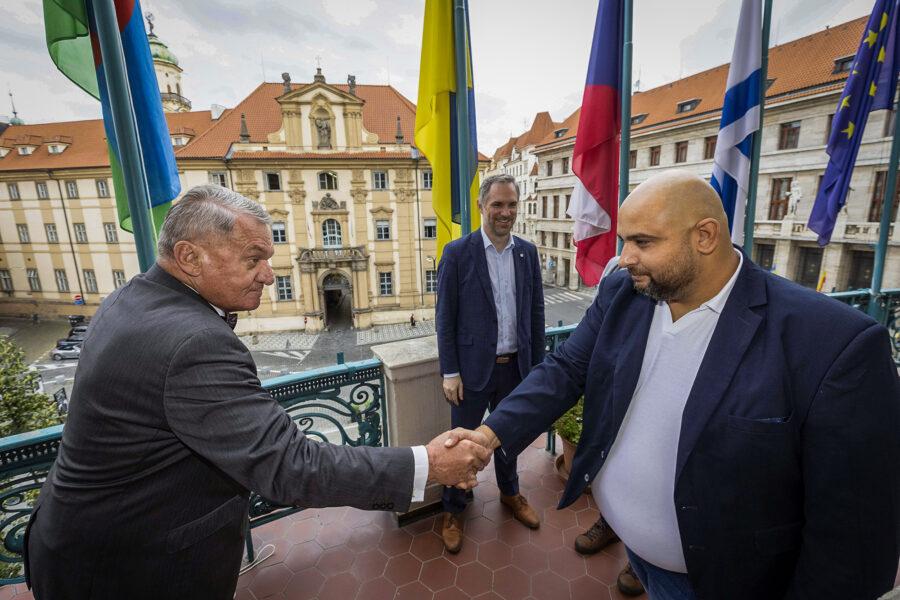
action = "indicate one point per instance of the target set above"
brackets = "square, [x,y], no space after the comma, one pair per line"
[456,456]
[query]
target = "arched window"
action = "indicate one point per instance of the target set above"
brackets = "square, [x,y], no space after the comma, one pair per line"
[327,181]
[168,88]
[178,88]
[331,234]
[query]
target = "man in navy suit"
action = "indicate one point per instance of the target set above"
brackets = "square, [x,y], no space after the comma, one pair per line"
[742,432]
[490,329]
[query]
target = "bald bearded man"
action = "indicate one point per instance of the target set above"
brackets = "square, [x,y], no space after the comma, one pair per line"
[742,432]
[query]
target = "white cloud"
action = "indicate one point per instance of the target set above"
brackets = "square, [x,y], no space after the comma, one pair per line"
[349,12]
[407,30]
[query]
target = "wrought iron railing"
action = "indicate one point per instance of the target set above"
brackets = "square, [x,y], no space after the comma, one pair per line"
[341,404]
[553,338]
[889,301]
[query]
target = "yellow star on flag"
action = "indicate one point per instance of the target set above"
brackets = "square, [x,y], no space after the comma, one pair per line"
[845,103]
[881,55]
[854,72]
[849,130]
[872,89]
[871,38]
[884,20]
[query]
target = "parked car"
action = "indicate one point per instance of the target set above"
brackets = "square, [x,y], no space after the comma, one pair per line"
[78,330]
[63,351]
[76,320]
[75,338]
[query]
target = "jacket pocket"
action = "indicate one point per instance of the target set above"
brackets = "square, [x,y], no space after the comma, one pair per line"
[192,532]
[776,540]
[764,425]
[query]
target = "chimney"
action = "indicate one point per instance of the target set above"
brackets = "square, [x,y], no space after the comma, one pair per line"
[245,134]
[399,135]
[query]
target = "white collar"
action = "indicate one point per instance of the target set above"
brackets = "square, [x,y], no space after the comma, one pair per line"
[215,308]
[487,241]
[717,302]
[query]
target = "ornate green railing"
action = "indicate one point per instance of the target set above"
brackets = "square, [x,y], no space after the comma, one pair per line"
[341,404]
[553,337]
[889,301]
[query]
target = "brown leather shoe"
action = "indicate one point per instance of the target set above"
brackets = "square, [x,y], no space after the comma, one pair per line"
[595,539]
[628,583]
[521,511]
[451,533]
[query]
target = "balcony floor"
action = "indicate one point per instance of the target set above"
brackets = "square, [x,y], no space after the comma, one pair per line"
[344,553]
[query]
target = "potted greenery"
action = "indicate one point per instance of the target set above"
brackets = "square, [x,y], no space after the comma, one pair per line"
[568,427]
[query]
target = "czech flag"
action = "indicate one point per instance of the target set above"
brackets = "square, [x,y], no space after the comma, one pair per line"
[72,42]
[595,160]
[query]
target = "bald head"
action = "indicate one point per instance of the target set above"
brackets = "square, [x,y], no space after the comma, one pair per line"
[677,199]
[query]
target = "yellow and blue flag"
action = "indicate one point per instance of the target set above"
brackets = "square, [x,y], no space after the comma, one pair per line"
[869,87]
[436,118]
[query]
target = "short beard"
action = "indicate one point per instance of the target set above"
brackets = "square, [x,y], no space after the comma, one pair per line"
[671,283]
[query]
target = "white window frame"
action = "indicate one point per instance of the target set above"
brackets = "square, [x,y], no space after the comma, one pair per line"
[279,232]
[62,281]
[219,178]
[102,188]
[430,281]
[6,282]
[327,179]
[34,280]
[13,189]
[284,288]
[269,187]
[52,233]
[72,189]
[90,281]
[379,180]
[24,235]
[385,283]
[427,179]
[80,233]
[429,223]
[382,229]
[42,191]
[119,278]
[331,236]
[112,236]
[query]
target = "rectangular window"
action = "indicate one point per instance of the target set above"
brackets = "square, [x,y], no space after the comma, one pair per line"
[5,280]
[567,238]
[71,189]
[379,180]
[553,239]
[565,165]
[828,127]
[543,238]
[219,178]
[681,151]
[273,182]
[427,179]
[24,236]
[544,207]
[90,281]
[382,229]
[861,265]
[279,233]
[62,282]
[430,229]
[52,236]
[632,159]
[778,201]
[709,147]
[654,156]
[430,282]
[118,278]
[34,280]
[112,236]
[555,207]
[549,168]
[878,192]
[42,192]
[888,124]
[385,284]
[80,233]
[102,188]
[765,255]
[809,266]
[13,189]
[327,181]
[789,135]
[285,290]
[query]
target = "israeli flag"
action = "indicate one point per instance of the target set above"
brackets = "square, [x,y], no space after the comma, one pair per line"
[740,118]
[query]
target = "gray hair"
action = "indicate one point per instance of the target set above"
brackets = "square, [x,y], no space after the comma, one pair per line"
[488,182]
[206,210]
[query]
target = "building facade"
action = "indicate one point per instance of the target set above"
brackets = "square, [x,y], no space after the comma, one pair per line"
[675,126]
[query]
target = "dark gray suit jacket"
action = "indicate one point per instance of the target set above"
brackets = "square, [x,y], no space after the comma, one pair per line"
[168,429]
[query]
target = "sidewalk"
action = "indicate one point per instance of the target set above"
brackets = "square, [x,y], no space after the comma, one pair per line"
[35,340]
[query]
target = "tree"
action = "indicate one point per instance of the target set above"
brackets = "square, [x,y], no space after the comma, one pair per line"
[22,408]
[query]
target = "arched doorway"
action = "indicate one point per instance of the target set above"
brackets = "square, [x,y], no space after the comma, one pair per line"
[337,301]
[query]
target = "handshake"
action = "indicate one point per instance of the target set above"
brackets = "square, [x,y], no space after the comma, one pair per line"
[455,457]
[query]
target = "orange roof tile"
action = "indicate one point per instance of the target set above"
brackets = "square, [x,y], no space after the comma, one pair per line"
[318,155]
[542,126]
[798,67]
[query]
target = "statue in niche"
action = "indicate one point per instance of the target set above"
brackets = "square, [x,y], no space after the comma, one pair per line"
[328,203]
[323,127]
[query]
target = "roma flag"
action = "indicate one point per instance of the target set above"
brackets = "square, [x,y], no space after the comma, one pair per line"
[436,119]
[72,42]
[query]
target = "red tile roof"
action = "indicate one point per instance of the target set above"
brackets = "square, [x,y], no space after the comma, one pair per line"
[318,155]
[542,126]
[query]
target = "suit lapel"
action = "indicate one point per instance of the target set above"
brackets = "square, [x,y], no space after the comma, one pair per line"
[735,330]
[476,247]
[628,365]
[519,268]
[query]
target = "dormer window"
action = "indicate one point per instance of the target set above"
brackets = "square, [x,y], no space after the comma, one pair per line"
[3,152]
[843,64]
[179,140]
[687,105]
[25,150]
[638,119]
[54,149]
[769,82]
[559,133]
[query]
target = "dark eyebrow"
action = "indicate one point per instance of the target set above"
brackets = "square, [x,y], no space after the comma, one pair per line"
[643,236]
[255,248]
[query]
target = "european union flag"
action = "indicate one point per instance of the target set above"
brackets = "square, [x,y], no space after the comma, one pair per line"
[870,86]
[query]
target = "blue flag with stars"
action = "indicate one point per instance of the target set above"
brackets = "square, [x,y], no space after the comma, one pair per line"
[869,87]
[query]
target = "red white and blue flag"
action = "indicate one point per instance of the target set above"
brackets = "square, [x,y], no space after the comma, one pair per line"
[595,160]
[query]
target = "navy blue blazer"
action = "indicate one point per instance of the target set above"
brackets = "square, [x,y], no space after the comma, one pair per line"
[466,316]
[788,465]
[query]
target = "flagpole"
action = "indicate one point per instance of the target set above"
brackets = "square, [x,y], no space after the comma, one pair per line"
[750,214]
[462,115]
[875,309]
[625,137]
[126,131]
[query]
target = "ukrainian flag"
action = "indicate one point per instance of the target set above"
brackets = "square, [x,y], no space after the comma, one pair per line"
[436,118]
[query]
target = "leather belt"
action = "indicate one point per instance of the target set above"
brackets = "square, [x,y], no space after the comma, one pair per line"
[502,359]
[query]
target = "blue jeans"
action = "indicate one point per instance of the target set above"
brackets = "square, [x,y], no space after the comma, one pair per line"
[660,583]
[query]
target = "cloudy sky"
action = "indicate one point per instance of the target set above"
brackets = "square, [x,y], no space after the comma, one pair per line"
[528,55]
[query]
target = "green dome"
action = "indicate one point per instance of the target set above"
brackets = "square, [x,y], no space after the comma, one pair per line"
[160,51]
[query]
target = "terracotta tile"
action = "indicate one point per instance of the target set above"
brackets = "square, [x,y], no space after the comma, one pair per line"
[528,479]
[513,533]
[7,592]
[487,491]
[549,586]
[303,515]
[468,553]
[335,560]
[582,502]
[496,512]
[552,482]
[452,593]
[333,534]
[480,529]
[377,589]
[305,585]
[403,569]
[488,596]
[615,594]
[365,537]
[617,549]
[238,595]
[270,531]
[563,519]
[511,584]
[303,556]
[566,563]
[547,537]
[369,565]
[332,514]
[494,554]
[395,542]
[385,520]
[426,546]
[541,498]
[530,558]
[413,591]
[339,587]
[588,588]
[604,567]
[281,548]
[438,574]
[23,593]
[569,535]
[270,580]
[355,517]
[474,579]
[302,531]
[422,525]
[587,517]
[475,508]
